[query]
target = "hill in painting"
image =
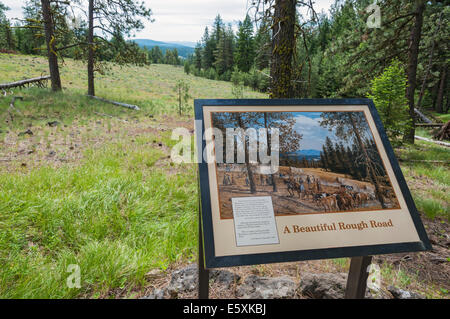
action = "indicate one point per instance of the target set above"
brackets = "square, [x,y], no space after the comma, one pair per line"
[300,154]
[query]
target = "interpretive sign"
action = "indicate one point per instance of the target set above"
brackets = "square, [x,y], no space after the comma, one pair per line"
[287,180]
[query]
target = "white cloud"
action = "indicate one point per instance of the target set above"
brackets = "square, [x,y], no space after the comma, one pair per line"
[181,20]
[313,134]
[15,7]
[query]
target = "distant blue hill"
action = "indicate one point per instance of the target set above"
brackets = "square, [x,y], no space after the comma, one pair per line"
[183,50]
[300,154]
[185,43]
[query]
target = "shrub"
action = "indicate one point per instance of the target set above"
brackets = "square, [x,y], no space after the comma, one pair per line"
[187,67]
[388,93]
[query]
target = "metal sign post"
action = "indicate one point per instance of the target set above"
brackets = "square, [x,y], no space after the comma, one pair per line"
[357,277]
[203,273]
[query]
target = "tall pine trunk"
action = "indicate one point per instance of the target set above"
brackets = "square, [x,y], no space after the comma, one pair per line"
[90,64]
[283,44]
[50,41]
[274,184]
[248,166]
[414,43]
[369,165]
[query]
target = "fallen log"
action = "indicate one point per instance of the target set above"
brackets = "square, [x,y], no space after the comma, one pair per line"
[422,116]
[22,83]
[422,161]
[420,138]
[443,133]
[429,124]
[129,106]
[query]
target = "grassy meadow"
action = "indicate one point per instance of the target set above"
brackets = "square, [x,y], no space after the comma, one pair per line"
[98,189]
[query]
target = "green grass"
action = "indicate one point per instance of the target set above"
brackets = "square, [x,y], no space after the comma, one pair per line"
[120,211]
[150,87]
[423,132]
[116,223]
[115,213]
[430,206]
[429,181]
[443,117]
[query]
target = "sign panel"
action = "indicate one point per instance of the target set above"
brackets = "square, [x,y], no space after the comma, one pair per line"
[286,180]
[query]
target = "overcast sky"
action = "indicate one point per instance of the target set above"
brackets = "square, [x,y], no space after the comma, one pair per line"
[181,20]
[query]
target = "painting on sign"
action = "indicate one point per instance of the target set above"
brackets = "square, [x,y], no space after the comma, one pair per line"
[328,163]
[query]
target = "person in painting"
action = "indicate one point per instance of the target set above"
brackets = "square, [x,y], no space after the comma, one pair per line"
[308,181]
[301,186]
[318,186]
[269,180]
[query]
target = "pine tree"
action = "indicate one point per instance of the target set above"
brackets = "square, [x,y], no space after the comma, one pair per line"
[262,47]
[111,18]
[209,46]
[324,158]
[245,50]
[156,55]
[388,93]
[198,56]
[49,18]
[331,154]
[7,39]
[224,52]
[218,28]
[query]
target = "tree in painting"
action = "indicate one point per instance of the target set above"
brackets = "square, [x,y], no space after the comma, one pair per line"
[353,125]
[289,139]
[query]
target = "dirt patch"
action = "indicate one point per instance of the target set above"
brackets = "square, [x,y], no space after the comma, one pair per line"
[63,145]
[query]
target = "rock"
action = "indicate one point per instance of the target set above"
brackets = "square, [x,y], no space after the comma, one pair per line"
[154,273]
[398,293]
[323,286]
[27,132]
[53,123]
[255,287]
[51,153]
[156,294]
[225,277]
[185,279]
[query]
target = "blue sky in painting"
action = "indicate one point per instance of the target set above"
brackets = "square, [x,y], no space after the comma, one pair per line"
[308,124]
